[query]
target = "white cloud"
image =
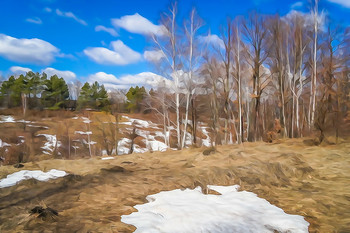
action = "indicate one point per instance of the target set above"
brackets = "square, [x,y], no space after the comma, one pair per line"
[69,76]
[308,17]
[19,70]
[33,51]
[153,55]
[344,3]
[70,15]
[138,24]
[212,39]
[109,30]
[35,20]
[120,55]
[47,9]
[147,79]
[296,5]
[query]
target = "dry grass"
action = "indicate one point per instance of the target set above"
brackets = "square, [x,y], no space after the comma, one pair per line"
[308,181]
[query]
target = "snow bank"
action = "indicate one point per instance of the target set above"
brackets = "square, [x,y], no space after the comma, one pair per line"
[192,211]
[16,177]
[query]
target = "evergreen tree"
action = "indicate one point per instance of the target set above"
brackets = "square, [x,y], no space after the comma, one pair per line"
[93,96]
[6,91]
[56,91]
[134,98]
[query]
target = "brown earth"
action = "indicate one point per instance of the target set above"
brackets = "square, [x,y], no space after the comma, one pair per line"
[312,181]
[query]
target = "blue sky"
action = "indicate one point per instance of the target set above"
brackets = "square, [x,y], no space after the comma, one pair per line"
[89,39]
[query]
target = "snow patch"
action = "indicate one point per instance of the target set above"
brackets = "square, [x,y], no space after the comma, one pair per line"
[2,144]
[206,142]
[7,119]
[50,145]
[139,123]
[82,132]
[107,158]
[124,146]
[16,177]
[192,211]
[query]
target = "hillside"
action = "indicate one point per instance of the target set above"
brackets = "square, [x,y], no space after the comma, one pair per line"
[311,181]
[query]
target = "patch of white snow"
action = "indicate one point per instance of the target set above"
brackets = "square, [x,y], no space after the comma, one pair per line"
[107,158]
[50,145]
[16,177]
[192,211]
[7,119]
[2,144]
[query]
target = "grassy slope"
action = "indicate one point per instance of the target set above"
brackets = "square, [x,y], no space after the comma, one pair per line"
[304,180]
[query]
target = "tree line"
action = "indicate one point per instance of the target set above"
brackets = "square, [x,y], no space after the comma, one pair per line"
[38,91]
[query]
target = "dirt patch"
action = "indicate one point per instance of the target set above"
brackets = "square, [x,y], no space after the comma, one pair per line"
[311,181]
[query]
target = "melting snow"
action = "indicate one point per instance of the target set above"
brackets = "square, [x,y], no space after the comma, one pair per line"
[7,119]
[24,121]
[155,145]
[82,132]
[107,158]
[16,177]
[123,146]
[2,144]
[50,144]
[85,119]
[192,211]
[206,141]
[139,123]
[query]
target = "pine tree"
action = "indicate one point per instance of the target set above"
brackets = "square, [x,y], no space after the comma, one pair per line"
[56,91]
[135,97]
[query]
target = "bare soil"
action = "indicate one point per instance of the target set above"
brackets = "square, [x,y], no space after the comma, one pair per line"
[312,181]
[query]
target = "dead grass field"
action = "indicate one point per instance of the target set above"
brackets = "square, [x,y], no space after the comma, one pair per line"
[312,181]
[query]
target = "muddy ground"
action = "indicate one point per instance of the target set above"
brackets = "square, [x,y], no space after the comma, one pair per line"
[312,181]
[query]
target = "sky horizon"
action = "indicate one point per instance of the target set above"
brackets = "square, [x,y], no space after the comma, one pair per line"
[109,41]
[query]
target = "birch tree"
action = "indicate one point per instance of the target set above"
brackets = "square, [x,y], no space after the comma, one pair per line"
[168,45]
[313,86]
[191,29]
[238,49]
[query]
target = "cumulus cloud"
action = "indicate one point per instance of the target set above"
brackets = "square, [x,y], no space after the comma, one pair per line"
[17,70]
[35,20]
[119,55]
[69,76]
[111,31]
[33,51]
[344,3]
[70,15]
[213,40]
[147,79]
[153,55]
[138,24]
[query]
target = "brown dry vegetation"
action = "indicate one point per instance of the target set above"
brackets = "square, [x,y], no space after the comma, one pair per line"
[311,181]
